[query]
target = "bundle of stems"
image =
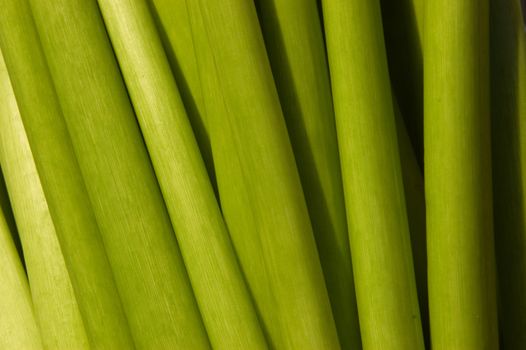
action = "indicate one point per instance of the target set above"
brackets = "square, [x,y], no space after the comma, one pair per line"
[373,187]
[149,273]
[249,174]
[508,107]
[462,300]
[63,185]
[54,302]
[18,327]
[294,41]
[174,29]
[259,187]
[223,298]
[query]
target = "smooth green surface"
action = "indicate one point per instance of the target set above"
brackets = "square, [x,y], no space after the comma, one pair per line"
[373,187]
[461,271]
[508,107]
[294,42]
[54,302]
[223,298]
[259,186]
[126,199]
[61,180]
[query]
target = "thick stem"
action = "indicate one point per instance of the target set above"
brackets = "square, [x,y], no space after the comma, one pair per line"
[462,299]
[372,176]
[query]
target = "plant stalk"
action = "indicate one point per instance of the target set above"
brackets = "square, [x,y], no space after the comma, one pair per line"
[461,261]
[372,176]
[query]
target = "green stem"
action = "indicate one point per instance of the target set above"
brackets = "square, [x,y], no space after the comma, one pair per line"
[216,278]
[462,301]
[372,176]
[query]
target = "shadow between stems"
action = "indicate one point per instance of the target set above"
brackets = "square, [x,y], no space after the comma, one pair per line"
[404,55]
[192,110]
[334,258]
[5,206]
[507,157]
[416,214]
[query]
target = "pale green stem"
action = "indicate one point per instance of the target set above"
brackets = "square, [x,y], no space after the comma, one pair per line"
[18,327]
[63,185]
[54,302]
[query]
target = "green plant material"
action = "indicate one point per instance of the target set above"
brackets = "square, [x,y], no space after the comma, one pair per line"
[461,271]
[173,24]
[18,328]
[416,214]
[294,42]
[76,228]
[127,202]
[373,187]
[508,107]
[223,298]
[259,186]
[54,302]
[5,205]
[403,23]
